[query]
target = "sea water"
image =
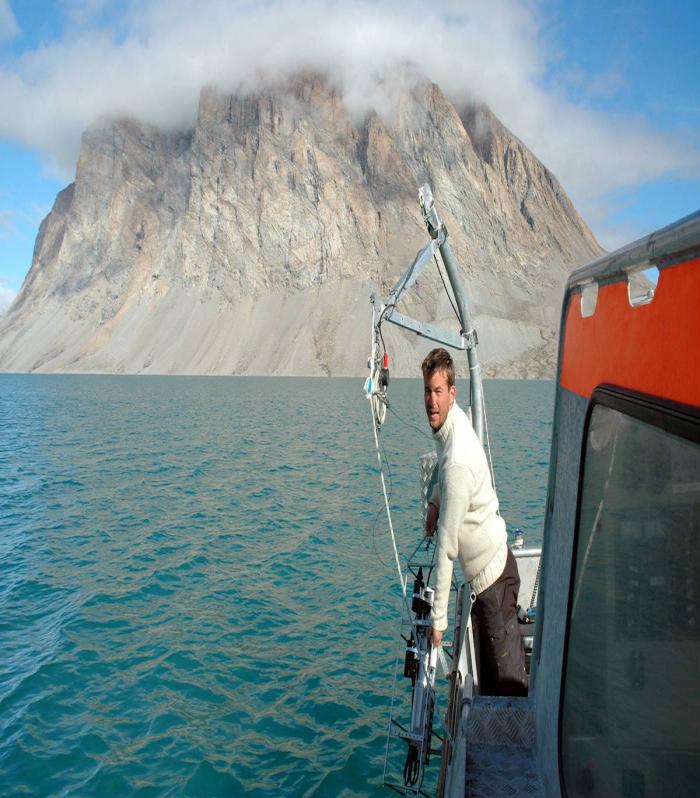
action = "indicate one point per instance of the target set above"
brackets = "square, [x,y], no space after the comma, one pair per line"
[198,593]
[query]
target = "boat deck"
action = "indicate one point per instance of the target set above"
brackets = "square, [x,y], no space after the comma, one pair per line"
[499,752]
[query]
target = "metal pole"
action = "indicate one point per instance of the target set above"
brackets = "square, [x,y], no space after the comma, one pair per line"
[435,224]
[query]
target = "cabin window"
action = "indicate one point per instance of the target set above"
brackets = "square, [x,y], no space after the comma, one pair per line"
[630,709]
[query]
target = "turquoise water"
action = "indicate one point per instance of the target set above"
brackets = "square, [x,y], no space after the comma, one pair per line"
[197,590]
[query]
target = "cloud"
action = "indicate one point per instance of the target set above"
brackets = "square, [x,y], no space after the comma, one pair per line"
[153,61]
[150,60]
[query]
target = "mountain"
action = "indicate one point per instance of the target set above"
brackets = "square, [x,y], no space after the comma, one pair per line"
[250,245]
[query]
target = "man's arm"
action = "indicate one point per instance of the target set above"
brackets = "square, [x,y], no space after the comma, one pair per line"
[454,502]
[431,519]
[431,516]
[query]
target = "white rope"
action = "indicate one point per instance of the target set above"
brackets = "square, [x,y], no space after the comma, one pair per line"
[402,580]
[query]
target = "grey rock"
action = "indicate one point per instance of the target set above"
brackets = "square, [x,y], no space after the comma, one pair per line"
[251,244]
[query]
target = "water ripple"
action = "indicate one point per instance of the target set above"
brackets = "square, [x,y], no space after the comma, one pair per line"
[197,589]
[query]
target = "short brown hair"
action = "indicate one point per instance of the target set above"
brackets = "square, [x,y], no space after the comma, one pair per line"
[439,360]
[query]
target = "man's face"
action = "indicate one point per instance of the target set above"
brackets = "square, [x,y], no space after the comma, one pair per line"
[439,398]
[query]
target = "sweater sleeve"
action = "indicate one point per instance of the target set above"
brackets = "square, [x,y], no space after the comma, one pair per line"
[455,498]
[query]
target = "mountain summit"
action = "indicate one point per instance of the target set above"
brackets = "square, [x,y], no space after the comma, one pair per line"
[250,244]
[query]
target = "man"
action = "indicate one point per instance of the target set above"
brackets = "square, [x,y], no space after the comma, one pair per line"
[464,507]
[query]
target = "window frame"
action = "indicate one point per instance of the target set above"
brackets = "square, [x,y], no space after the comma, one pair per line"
[680,420]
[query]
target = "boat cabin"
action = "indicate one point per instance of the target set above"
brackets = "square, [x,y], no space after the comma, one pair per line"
[616,704]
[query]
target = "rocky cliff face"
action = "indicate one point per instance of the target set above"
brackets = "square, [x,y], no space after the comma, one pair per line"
[250,245]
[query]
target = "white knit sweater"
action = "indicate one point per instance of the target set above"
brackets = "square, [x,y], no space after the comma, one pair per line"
[469,527]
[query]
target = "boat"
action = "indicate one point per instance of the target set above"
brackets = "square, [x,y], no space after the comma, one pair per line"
[610,604]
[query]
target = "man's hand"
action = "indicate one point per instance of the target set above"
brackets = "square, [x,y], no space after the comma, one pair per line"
[435,636]
[431,519]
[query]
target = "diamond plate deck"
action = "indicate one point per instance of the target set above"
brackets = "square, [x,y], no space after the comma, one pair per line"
[496,720]
[500,739]
[501,771]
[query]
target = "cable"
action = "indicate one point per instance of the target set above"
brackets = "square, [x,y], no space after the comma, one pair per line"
[388,513]
[488,442]
[444,285]
[411,768]
[379,511]
[402,580]
[381,335]
[420,431]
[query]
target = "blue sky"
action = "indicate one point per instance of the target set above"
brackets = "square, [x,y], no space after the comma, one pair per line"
[606,94]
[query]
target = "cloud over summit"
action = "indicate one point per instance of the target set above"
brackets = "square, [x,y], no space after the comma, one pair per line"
[150,60]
